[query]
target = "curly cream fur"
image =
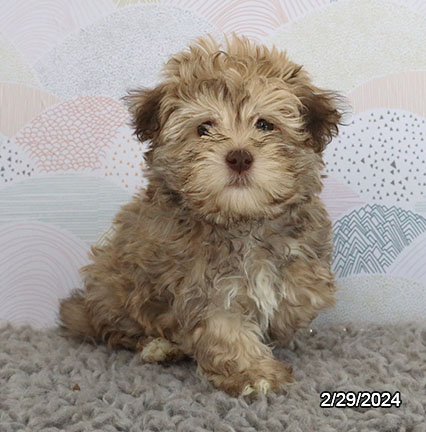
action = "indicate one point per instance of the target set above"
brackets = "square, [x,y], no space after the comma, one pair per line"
[205,262]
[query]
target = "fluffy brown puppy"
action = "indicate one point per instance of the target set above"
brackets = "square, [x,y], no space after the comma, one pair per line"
[228,250]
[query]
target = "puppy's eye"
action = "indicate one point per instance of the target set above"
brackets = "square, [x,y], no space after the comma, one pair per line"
[203,129]
[264,125]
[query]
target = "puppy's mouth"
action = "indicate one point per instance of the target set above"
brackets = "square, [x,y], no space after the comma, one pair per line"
[239,181]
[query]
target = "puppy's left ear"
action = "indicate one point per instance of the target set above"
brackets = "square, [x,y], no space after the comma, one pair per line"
[320,111]
[321,115]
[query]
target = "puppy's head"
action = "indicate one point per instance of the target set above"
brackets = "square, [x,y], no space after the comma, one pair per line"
[237,133]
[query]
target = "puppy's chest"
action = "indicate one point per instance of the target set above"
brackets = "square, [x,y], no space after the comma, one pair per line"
[248,275]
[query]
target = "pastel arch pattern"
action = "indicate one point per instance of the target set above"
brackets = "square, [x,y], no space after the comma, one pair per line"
[124,50]
[254,19]
[338,197]
[36,27]
[13,66]
[82,205]
[408,93]
[39,265]
[411,261]
[375,298]
[20,104]
[73,135]
[355,41]
[369,240]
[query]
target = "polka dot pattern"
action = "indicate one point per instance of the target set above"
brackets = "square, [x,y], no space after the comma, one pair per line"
[124,163]
[14,163]
[382,156]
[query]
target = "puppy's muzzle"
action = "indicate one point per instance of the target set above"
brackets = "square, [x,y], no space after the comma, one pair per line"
[239,160]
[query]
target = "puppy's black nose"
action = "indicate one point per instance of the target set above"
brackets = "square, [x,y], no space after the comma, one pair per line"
[239,160]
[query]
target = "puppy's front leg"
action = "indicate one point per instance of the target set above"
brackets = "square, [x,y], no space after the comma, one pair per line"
[229,352]
[309,287]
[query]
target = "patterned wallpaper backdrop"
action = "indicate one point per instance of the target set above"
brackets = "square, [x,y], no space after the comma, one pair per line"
[68,159]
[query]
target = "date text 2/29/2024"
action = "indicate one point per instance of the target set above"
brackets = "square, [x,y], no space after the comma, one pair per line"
[363,399]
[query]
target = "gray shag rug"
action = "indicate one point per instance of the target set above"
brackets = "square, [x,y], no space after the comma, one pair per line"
[49,383]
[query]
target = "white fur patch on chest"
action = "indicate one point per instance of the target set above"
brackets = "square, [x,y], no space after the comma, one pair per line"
[261,291]
[256,284]
[261,282]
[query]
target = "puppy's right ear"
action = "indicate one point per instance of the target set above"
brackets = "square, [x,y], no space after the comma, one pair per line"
[144,106]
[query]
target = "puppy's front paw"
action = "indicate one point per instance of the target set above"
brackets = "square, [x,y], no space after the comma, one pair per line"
[159,350]
[270,376]
[267,376]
